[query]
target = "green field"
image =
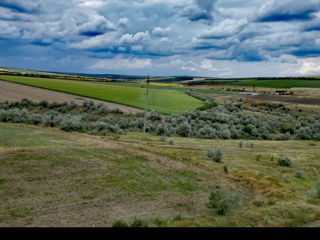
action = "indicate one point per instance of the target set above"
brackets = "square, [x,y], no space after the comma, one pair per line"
[161,100]
[294,83]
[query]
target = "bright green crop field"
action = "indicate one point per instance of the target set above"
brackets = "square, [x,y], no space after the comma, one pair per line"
[161,100]
[280,83]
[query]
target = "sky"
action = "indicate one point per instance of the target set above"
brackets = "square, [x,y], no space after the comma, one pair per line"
[210,38]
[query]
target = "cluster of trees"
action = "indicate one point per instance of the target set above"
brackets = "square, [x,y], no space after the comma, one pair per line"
[221,122]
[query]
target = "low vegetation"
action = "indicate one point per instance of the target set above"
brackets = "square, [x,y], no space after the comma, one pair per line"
[226,121]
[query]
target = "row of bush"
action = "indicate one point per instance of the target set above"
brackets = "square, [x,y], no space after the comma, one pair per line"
[224,121]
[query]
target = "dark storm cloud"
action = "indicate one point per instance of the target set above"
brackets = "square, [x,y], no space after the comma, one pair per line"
[288,10]
[21,6]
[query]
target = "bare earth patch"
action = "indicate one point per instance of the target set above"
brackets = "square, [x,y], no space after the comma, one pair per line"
[307,101]
[15,92]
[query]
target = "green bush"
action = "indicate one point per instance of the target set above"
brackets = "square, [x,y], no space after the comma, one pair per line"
[119,224]
[207,106]
[225,169]
[139,223]
[214,154]
[44,104]
[285,161]
[3,115]
[163,138]
[299,174]
[241,143]
[171,142]
[36,119]
[222,201]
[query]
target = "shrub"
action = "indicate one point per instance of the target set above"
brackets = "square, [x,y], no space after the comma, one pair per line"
[117,110]
[73,123]
[88,106]
[154,116]
[54,105]
[163,138]
[183,129]
[207,106]
[51,119]
[171,142]
[17,116]
[3,115]
[222,201]
[241,143]
[285,161]
[26,103]
[102,109]
[214,154]
[139,223]
[72,104]
[36,119]
[299,174]
[120,224]
[225,169]
[44,104]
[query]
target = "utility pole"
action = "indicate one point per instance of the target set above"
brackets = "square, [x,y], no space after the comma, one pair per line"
[146,108]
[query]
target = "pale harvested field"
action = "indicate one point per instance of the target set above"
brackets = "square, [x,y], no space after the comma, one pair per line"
[15,92]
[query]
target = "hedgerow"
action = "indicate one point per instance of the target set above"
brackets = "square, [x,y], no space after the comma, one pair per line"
[225,121]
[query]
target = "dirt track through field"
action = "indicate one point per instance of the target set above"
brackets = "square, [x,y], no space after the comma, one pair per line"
[15,92]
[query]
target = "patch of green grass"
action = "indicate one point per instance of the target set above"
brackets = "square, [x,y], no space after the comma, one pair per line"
[292,83]
[161,100]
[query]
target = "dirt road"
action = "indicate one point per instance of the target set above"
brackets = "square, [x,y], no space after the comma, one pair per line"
[15,92]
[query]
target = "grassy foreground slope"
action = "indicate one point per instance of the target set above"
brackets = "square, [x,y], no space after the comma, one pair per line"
[53,178]
[161,100]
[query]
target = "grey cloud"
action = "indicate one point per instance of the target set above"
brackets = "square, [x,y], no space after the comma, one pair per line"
[287,10]
[31,6]
[201,10]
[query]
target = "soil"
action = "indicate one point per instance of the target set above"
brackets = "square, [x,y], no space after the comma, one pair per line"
[307,101]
